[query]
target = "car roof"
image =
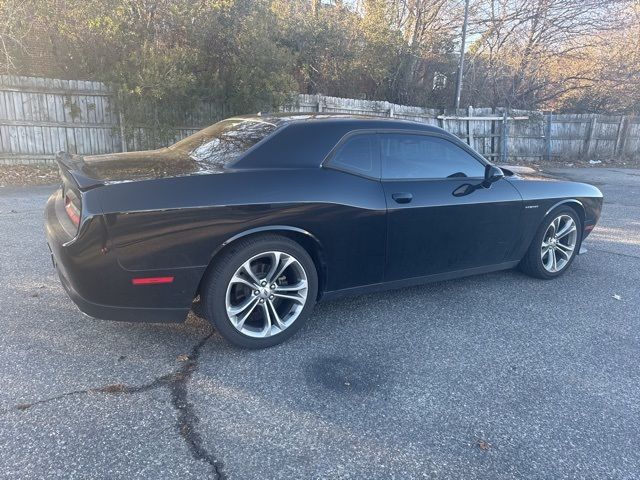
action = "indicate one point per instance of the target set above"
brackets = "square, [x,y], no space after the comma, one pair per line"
[364,121]
[305,139]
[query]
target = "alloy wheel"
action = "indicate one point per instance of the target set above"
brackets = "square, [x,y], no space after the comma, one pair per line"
[266,294]
[559,243]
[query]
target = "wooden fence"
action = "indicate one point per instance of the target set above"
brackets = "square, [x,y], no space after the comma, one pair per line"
[40,117]
[502,135]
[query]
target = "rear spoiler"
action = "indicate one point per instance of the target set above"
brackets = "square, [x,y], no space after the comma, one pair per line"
[72,168]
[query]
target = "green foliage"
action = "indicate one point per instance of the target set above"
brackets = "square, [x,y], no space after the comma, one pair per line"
[166,57]
[73,109]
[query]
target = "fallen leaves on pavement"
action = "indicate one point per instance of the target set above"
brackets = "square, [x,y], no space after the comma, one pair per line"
[16,175]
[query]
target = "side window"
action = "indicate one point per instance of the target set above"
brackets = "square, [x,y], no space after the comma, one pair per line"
[423,156]
[358,154]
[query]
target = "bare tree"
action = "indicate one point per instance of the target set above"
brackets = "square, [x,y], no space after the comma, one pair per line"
[16,24]
[523,46]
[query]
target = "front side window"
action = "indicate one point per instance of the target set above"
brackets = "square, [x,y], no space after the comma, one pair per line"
[407,156]
[358,154]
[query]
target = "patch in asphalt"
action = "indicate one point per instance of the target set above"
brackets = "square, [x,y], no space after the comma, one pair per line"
[346,375]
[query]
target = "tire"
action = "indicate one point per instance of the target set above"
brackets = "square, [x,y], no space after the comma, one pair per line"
[540,265]
[276,301]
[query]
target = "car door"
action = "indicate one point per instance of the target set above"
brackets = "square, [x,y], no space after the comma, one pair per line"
[354,235]
[436,223]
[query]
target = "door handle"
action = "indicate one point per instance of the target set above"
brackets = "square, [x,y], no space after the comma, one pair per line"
[463,190]
[402,197]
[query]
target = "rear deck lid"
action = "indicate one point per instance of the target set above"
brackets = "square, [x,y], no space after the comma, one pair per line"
[91,171]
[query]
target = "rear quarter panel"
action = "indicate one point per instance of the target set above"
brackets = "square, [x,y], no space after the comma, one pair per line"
[180,223]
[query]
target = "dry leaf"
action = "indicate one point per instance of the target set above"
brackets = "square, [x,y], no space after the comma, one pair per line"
[483,444]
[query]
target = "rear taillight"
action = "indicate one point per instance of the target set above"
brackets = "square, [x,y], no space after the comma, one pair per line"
[72,211]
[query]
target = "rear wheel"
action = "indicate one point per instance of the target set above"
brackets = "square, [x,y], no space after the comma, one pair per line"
[555,244]
[260,292]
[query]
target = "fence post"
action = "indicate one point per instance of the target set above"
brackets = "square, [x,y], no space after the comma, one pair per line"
[591,136]
[547,136]
[470,126]
[505,138]
[619,147]
[123,139]
[391,109]
[320,98]
[625,136]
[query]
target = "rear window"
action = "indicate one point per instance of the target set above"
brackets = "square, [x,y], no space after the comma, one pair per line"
[222,143]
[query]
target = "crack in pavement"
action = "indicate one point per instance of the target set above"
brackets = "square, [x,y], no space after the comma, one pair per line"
[176,382]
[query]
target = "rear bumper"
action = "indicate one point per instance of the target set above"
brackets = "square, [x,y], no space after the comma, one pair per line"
[124,314]
[97,284]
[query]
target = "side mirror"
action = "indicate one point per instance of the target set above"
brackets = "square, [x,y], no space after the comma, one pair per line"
[491,174]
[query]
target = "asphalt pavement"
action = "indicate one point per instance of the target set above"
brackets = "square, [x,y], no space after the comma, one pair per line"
[494,376]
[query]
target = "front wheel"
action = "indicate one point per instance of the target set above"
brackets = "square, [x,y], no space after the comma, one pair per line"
[555,244]
[260,292]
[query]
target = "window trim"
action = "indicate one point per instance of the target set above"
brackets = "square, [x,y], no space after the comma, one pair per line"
[326,163]
[451,139]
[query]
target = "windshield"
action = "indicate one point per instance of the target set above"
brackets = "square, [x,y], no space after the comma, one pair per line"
[223,142]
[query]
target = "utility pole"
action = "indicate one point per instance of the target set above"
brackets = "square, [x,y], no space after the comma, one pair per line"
[463,45]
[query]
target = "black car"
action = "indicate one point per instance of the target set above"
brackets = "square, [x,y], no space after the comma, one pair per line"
[259,217]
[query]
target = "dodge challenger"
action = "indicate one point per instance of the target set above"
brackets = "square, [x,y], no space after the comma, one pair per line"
[256,218]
